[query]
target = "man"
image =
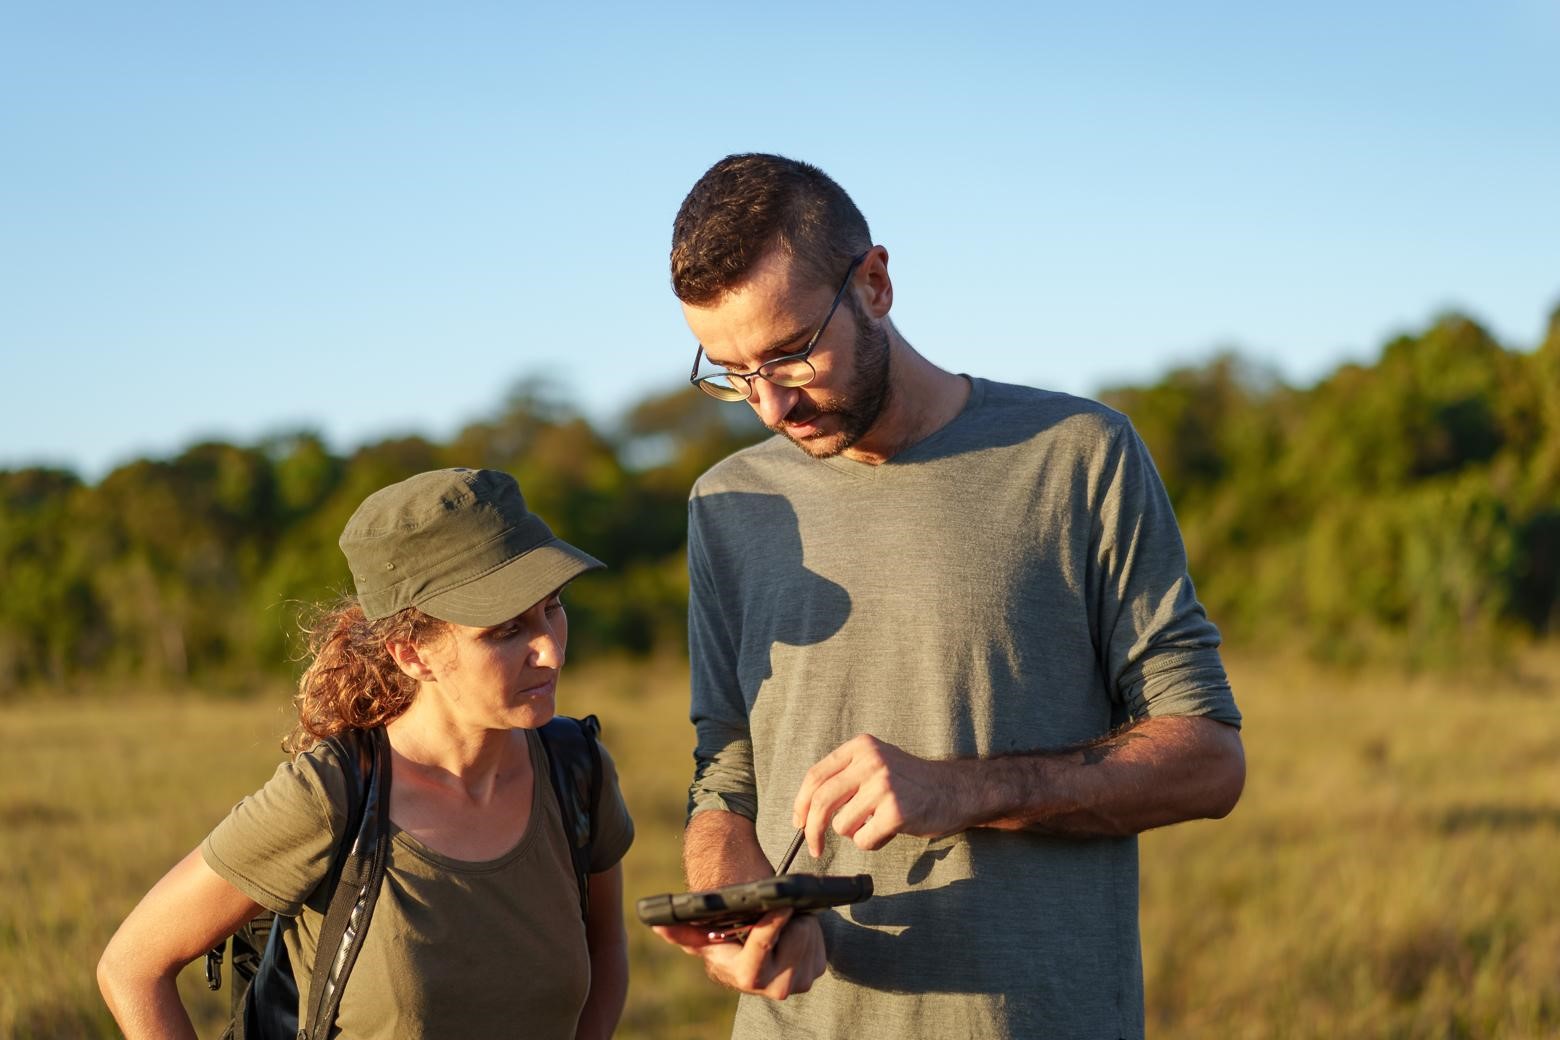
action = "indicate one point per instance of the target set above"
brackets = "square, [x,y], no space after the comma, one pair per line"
[955,628]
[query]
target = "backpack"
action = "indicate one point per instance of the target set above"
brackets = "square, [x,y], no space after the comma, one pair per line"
[265,991]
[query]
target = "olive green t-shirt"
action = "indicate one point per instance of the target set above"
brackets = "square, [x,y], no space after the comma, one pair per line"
[454,948]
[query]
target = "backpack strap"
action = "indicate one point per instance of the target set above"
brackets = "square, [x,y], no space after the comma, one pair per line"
[574,764]
[358,874]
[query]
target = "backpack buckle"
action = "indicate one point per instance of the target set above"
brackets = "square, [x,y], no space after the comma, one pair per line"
[214,968]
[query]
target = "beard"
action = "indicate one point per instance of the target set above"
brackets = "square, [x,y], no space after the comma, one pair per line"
[858,405]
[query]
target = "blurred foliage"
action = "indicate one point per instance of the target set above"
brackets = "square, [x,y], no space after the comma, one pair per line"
[1406,511]
[197,568]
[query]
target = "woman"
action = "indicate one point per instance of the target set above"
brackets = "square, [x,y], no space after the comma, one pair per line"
[453,644]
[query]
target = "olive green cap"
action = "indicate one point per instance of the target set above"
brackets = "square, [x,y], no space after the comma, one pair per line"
[458,544]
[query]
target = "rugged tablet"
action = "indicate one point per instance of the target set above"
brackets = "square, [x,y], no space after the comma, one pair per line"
[736,907]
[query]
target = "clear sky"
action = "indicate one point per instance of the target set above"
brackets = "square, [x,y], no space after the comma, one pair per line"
[225,220]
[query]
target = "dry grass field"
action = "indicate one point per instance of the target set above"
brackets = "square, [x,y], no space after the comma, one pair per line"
[1392,871]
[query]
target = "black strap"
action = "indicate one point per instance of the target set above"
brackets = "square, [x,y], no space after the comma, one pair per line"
[360,875]
[268,1008]
[574,763]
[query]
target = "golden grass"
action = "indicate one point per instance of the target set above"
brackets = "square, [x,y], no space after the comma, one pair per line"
[1392,871]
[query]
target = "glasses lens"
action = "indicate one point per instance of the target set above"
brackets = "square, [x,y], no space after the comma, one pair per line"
[789,372]
[725,387]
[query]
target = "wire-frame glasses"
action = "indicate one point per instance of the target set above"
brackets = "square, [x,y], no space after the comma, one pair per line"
[790,371]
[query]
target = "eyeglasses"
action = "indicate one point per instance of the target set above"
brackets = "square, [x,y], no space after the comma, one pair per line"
[793,370]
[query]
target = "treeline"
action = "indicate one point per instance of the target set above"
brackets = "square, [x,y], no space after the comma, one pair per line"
[201,567]
[1406,511]
[1409,511]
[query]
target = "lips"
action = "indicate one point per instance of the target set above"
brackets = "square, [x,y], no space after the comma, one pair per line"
[801,424]
[541,689]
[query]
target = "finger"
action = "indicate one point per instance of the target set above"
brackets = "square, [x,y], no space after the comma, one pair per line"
[774,979]
[721,964]
[863,805]
[789,968]
[801,950]
[807,971]
[822,770]
[763,936]
[731,964]
[767,931]
[878,829]
[751,965]
[835,792]
[877,810]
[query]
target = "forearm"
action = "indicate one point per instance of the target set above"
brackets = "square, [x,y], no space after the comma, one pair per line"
[721,848]
[608,990]
[608,944]
[1160,771]
[185,914]
[143,1005]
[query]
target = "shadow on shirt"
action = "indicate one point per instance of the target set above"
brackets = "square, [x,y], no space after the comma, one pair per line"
[915,958]
[959,935]
[752,545]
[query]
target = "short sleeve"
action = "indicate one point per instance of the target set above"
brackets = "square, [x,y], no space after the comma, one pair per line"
[614,827]
[276,844]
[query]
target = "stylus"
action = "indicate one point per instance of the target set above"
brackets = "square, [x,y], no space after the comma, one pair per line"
[790,853]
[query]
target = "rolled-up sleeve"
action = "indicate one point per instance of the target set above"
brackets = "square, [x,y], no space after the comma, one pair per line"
[723,776]
[1156,644]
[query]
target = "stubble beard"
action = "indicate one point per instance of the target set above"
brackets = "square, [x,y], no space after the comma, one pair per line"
[858,406]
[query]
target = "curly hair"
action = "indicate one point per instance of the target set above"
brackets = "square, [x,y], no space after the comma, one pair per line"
[746,205]
[351,681]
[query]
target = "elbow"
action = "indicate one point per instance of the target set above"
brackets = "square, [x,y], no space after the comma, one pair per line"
[111,974]
[125,976]
[105,979]
[1229,774]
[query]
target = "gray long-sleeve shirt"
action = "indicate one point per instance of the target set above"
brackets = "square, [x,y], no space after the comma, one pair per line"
[1014,582]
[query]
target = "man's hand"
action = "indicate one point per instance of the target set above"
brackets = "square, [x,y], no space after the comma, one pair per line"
[1158,771]
[781,955]
[872,790]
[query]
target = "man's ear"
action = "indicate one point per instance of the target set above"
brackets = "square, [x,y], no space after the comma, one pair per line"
[404,654]
[878,295]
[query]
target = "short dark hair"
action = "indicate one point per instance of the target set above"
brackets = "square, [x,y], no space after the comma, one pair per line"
[744,206]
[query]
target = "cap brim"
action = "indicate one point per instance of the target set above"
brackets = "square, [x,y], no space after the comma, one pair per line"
[512,589]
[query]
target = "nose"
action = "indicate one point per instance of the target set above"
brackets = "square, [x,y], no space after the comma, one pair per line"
[546,649]
[771,402]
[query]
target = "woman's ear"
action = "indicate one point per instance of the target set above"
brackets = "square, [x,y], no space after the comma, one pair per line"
[407,658]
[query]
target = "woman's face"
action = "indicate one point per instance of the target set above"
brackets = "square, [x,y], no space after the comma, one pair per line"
[505,676]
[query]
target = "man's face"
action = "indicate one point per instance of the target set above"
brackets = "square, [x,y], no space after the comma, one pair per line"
[771,315]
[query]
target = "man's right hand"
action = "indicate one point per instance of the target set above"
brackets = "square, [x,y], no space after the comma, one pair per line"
[781,955]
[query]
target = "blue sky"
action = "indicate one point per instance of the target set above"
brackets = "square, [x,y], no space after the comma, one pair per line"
[232,221]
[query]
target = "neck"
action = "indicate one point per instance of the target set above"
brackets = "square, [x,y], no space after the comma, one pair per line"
[922,399]
[433,744]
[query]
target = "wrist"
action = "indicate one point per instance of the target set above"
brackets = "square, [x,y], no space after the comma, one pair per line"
[973,789]
[1000,791]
